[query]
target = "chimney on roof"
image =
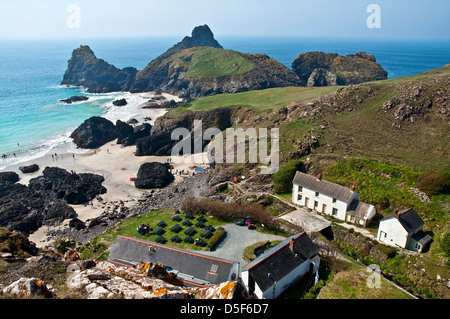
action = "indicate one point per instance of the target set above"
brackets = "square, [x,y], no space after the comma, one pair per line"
[319,177]
[291,244]
[396,214]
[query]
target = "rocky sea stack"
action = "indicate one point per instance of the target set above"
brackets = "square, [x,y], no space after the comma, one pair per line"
[325,69]
[98,76]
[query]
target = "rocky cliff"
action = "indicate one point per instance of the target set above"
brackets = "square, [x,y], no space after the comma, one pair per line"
[324,69]
[98,76]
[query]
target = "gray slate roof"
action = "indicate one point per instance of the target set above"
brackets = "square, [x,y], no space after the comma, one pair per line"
[324,187]
[421,237]
[194,268]
[358,208]
[281,260]
[409,219]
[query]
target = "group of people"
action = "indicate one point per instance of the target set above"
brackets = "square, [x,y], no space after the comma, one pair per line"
[143,229]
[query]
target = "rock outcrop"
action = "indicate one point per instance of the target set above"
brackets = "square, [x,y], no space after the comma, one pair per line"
[45,200]
[120,102]
[9,177]
[160,142]
[323,69]
[28,287]
[98,76]
[94,132]
[153,175]
[128,135]
[170,72]
[25,210]
[144,281]
[15,244]
[74,99]
[73,188]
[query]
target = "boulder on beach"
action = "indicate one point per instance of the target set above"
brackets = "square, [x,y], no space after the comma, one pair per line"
[94,132]
[29,169]
[128,135]
[154,175]
[125,132]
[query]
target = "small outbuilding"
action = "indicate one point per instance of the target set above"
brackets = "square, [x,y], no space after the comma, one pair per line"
[404,229]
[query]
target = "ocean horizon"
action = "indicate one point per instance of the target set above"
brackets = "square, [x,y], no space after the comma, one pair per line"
[33,120]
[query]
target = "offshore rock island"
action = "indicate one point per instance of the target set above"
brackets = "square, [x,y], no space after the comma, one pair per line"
[199,66]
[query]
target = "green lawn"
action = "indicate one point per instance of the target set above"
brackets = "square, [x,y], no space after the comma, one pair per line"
[260,100]
[128,228]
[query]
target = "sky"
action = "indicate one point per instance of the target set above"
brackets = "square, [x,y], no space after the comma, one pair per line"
[394,19]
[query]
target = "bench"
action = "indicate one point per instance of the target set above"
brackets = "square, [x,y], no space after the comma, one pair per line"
[162,224]
[187,222]
[200,224]
[158,231]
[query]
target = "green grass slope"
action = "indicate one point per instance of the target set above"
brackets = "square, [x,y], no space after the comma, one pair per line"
[213,62]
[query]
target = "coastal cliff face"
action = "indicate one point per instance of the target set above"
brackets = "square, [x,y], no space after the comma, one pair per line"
[324,69]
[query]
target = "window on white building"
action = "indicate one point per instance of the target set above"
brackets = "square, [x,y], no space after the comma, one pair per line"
[299,197]
[334,200]
[335,211]
[317,194]
[300,189]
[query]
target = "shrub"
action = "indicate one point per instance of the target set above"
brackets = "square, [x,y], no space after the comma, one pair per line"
[283,178]
[434,183]
[230,211]
[219,234]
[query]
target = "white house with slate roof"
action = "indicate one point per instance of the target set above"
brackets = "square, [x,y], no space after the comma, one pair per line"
[403,229]
[331,199]
[276,270]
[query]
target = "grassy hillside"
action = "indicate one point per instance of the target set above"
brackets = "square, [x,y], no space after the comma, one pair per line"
[213,62]
[260,101]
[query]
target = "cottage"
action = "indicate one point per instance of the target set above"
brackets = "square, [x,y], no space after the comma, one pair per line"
[403,229]
[194,269]
[273,272]
[331,199]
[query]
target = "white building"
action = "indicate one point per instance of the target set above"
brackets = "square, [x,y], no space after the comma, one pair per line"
[403,229]
[276,270]
[331,199]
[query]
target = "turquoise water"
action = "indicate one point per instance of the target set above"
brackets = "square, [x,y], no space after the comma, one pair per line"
[32,120]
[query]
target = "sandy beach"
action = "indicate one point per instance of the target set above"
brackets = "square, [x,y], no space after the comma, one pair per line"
[117,164]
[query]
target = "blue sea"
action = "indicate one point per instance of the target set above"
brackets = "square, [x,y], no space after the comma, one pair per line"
[33,120]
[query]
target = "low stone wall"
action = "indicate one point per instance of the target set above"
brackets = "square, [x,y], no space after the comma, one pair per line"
[360,243]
